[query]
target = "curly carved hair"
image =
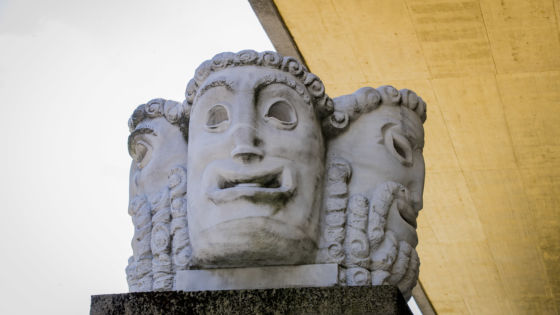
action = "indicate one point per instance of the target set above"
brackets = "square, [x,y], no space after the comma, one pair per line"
[314,87]
[174,112]
[348,108]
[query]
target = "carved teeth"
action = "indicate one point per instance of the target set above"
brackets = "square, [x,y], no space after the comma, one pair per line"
[265,181]
[269,185]
[248,185]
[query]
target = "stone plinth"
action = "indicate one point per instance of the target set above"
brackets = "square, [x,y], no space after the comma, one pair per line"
[269,277]
[332,300]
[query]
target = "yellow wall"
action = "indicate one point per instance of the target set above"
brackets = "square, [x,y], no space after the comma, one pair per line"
[490,73]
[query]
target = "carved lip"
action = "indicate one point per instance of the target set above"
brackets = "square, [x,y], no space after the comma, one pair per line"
[405,229]
[407,213]
[260,184]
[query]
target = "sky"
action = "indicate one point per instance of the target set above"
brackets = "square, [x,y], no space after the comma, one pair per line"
[71,73]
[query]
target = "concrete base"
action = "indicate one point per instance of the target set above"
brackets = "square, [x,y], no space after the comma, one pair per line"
[332,300]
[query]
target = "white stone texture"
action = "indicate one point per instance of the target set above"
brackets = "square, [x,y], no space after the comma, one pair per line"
[278,175]
[380,138]
[256,153]
[157,186]
[271,277]
[181,249]
[331,249]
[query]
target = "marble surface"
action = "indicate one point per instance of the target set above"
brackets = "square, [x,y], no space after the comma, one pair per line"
[259,167]
[270,277]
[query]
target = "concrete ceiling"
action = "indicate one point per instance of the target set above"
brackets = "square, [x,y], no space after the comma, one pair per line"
[490,73]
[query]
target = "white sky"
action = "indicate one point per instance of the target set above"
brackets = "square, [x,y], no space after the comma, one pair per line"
[71,73]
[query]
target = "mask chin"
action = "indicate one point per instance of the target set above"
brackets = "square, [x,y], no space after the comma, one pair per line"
[253,241]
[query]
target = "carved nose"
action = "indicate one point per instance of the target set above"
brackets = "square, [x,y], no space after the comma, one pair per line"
[416,189]
[246,144]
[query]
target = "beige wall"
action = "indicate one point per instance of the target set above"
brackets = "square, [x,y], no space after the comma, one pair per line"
[490,73]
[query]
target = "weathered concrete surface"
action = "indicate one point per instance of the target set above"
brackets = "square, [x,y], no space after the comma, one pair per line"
[333,300]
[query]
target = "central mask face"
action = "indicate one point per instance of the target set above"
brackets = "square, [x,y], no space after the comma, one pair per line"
[256,159]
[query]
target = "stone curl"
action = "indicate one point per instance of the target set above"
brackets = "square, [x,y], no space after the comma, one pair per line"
[174,112]
[321,102]
[348,108]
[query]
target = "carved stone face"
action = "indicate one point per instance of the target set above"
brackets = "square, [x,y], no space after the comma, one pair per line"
[255,169]
[156,146]
[380,148]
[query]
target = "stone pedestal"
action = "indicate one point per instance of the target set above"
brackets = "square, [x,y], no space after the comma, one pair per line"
[331,300]
[252,278]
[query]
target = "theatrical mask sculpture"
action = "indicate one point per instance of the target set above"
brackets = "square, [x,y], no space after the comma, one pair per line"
[278,174]
[379,154]
[256,161]
[157,144]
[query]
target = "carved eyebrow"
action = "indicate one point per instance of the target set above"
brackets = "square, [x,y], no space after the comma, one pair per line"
[136,133]
[219,82]
[285,80]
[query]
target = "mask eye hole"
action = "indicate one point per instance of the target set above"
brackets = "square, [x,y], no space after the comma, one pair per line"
[282,114]
[402,152]
[398,145]
[141,153]
[218,118]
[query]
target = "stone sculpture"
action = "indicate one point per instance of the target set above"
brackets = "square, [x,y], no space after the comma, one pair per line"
[256,162]
[158,146]
[278,174]
[375,186]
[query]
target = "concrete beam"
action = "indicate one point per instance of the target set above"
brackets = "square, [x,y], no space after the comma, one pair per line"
[276,29]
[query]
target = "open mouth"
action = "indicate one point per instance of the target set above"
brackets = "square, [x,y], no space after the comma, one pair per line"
[266,181]
[402,221]
[275,185]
